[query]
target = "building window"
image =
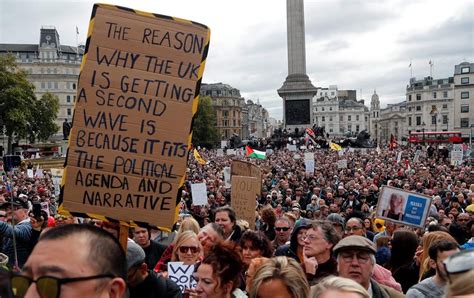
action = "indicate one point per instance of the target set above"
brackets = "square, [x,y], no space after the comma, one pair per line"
[357,117]
[349,127]
[69,112]
[418,97]
[445,94]
[235,124]
[433,119]
[330,130]
[465,69]
[418,108]
[465,95]
[322,109]
[357,128]
[341,118]
[330,108]
[49,85]
[445,119]
[323,118]
[445,106]
[464,122]
[315,119]
[74,86]
[43,85]
[330,118]
[465,80]
[349,118]
[68,99]
[409,97]
[434,94]
[55,85]
[464,108]
[409,121]
[409,109]
[418,120]
[365,118]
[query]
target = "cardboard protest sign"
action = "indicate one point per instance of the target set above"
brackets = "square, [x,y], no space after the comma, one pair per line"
[30,173]
[137,94]
[199,192]
[230,152]
[309,156]
[403,207]
[182,275]
[243,168]
[243,198]
[292,148]
[342,164]
[223,144]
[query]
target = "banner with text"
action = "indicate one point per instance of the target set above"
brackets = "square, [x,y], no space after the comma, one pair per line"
[137,94]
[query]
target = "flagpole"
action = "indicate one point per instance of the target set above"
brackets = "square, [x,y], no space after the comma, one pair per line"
[411,70]
[77,41]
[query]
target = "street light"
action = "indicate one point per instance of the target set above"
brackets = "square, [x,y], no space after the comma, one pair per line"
[423,129]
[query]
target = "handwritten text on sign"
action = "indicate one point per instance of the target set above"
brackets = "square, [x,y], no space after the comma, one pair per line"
[129,142]
[243,198]
[182,275]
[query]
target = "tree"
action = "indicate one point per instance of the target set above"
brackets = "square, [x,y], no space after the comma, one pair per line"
[17,99]
[42,124]
[205,132]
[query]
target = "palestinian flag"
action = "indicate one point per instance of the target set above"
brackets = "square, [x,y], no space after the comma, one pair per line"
[255,153]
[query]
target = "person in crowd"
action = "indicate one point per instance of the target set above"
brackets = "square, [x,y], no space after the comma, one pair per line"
[144,283]
[470,243]
[226,218]
[317,252]
[356,261]
[283,229]
[390,228]
[335,286]
[460,274]
[404,244]
[425,269]
[434,286]
[338,223]
[279,275]
[355,226]
[153,250]
[252,268]
[187,248]
[384,253]
[295,248]
[254,244]
[218,275]
[268,227]
[17,213]
[187,224]
[209,235]
[97,268]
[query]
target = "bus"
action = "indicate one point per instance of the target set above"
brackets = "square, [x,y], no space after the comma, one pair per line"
[453,137]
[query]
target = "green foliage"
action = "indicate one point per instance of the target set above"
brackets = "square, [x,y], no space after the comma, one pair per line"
[16,99]
[205,132]
[45,112]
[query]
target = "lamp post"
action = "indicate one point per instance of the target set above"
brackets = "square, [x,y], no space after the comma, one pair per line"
[423,129]
[470,137]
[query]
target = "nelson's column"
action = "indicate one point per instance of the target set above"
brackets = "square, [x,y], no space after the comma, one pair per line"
[297,90]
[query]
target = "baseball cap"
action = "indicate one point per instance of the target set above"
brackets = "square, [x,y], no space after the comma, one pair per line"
[355,242]
[336,218]
[135,254]
[17,202]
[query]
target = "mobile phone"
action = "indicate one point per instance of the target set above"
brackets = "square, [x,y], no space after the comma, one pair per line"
[37,210]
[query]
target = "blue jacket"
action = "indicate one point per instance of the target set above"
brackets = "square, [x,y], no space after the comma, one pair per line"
[22,236]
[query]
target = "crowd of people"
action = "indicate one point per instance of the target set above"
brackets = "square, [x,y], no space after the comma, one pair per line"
[315,235]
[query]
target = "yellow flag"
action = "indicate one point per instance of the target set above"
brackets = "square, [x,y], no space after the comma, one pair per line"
[335,146]
[198,157]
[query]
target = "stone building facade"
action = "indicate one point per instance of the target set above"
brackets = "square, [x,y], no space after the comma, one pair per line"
[51,67]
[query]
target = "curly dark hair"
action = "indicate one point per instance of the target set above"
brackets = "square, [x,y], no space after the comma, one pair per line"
[268,216]
[226,262]
[257,240]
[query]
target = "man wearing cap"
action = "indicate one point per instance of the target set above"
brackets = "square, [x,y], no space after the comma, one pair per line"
[143,282]
[351,201]
[356,261]
[17,212]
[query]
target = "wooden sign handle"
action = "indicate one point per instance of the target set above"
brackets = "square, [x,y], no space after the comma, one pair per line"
[123,237]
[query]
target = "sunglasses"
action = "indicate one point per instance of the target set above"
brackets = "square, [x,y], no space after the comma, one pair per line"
[47,286]
[185,249]
[282,229]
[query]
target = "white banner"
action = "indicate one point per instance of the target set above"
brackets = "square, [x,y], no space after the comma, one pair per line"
[342,164]
[182,275]
[199,192]
[309,166]
[227,177]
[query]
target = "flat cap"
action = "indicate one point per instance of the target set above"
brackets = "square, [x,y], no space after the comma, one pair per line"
[355,242]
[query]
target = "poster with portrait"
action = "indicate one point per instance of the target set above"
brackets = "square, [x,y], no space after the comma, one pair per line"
[403,207]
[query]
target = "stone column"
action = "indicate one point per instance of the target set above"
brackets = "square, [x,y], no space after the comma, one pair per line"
[295,35]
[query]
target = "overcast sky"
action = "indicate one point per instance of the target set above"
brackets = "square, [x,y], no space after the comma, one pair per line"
[354,44]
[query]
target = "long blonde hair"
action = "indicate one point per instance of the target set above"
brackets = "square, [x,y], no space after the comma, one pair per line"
[428,239]
[287,270]
[180,239]
[339,284]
